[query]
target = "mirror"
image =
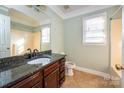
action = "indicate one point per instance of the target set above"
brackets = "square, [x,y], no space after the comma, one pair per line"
[27,32]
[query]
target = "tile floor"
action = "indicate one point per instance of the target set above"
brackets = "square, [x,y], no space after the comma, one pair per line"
[86,80]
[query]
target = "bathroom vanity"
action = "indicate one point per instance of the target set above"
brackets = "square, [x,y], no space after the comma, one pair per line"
[29,75]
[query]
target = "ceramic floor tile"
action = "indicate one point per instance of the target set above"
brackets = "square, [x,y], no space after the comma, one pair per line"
[86,80]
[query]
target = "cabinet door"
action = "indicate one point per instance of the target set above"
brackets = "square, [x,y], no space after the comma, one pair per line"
[52,80]
[4,36]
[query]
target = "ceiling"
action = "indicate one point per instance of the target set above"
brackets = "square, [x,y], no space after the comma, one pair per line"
[19,17]
[71,8]
[64,11]
[27,15]
[68,11]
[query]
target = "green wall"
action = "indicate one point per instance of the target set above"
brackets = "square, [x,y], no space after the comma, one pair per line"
[94,57]
[3,10]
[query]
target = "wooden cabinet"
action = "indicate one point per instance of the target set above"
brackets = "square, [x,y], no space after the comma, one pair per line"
[38,85]
[55,74]
[62,72]
[51,68]
[52,80]
[30,82]
[52,76]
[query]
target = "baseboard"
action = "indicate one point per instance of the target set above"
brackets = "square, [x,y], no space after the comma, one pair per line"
[98,73]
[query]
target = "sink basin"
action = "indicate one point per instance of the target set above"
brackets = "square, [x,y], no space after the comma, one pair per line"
[42,61]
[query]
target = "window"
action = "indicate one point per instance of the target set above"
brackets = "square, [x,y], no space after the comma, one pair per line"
[20,44]
[94,28]
[46,34]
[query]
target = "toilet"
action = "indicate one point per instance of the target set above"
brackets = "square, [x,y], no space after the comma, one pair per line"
[69,66]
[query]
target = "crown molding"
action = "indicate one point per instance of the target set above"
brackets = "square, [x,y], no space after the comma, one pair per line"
[85,11]
[57,10]
[77,12]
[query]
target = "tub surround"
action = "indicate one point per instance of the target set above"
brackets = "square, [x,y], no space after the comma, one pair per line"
[15,69]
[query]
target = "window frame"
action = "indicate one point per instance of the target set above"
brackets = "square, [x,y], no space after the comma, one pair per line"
[83,26]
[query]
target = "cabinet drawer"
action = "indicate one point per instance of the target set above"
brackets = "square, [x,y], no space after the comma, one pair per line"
[51,68]
[29,82]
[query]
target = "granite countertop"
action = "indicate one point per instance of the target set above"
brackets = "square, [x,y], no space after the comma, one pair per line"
[14,73]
